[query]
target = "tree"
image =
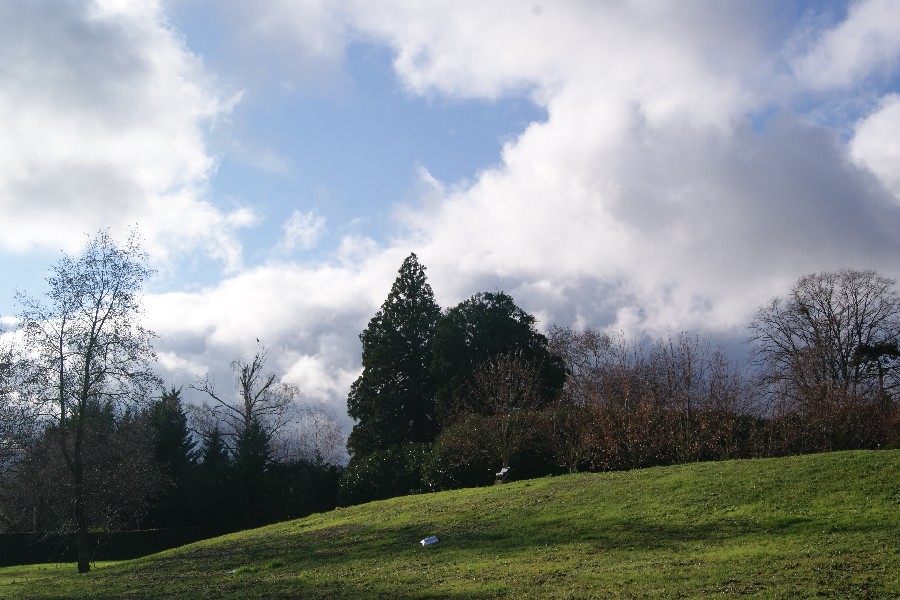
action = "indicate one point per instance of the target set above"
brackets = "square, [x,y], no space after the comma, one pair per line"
[18,420]
[393,399]
[252,458]
[831,344]
[18,431]
[260,398]
[586,356]
[214,469]
[507,389]
[173,451]
[89,351]
[214,458]
[315,438]
[476,331]
[249,425]
[119,475]
[173,441]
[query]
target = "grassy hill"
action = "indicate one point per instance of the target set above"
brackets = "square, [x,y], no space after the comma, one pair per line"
[826,525]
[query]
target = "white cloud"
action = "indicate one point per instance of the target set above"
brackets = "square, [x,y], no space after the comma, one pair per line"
[302,230]
[180,367]
[653,197]
[867,41]
[645,201]
[309,316]
[103,118]
[649,196]
[876,143]
[668,57]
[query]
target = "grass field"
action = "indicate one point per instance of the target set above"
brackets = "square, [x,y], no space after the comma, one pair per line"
[817,526]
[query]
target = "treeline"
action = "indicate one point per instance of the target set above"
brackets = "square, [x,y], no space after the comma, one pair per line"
[147,469]
[90,441]
[447,399]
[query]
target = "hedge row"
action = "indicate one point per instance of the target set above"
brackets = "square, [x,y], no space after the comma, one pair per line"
[34,548]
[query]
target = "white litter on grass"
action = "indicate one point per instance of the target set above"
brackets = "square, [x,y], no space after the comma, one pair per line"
[429,541]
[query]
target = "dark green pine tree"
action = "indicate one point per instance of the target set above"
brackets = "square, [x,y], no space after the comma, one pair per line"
[175,457]
[393,400]
[214,486]
[252,458]
[214,460]
[174,444]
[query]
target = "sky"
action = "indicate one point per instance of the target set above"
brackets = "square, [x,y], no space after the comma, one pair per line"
[643,167]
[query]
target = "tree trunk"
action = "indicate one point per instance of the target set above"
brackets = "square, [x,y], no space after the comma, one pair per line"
[84,538]
[84,551]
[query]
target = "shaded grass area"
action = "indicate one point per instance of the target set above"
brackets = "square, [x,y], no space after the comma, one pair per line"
[826,525]
[13,578]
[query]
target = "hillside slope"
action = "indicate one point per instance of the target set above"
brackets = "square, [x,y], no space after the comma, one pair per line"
[825,525]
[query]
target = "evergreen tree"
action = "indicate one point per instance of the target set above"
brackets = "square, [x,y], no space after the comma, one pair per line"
[252,454]
[214,460]
[175,457]
[393,399]
[213,485]
[478,330]
[174,444]
[252,458]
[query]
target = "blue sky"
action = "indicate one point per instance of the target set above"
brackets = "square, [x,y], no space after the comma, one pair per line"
[349,154]
[641,167]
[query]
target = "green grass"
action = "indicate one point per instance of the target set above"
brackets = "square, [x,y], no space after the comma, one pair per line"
[804,527]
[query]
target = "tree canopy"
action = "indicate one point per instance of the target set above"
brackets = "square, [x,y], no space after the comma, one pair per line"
[479,329]
[834,331]
[89,353]
[393,399]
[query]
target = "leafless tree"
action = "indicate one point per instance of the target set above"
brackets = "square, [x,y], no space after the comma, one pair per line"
[315,437]
[89,352]
[508,389]
[833,330]
[573,418]
[828,352]
[628,405]
[258,396]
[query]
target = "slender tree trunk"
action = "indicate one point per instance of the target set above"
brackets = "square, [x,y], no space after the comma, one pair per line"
[84,538]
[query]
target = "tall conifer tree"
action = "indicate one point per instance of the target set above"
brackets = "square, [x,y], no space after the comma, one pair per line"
[173,449]
[393,400]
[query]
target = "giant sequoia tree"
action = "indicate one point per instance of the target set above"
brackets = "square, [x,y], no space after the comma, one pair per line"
[393,400]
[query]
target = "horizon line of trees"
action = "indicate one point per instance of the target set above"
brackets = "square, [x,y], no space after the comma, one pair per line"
[90,441]
[448,398]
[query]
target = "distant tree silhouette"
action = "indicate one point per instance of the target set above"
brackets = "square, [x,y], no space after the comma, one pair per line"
[393,400]
[173,450]
[829,354]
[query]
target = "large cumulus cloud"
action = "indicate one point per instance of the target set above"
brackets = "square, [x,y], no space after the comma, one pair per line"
[104,115]
[696,158]
[690,167]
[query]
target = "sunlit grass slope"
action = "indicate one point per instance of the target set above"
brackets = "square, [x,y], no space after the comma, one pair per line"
[813,526]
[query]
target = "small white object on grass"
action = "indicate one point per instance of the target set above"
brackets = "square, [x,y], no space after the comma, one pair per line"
[429,541]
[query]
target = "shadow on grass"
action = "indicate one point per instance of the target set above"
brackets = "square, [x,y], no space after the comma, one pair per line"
[321,564]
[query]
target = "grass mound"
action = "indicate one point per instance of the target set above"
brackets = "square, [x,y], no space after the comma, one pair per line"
[825,525]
